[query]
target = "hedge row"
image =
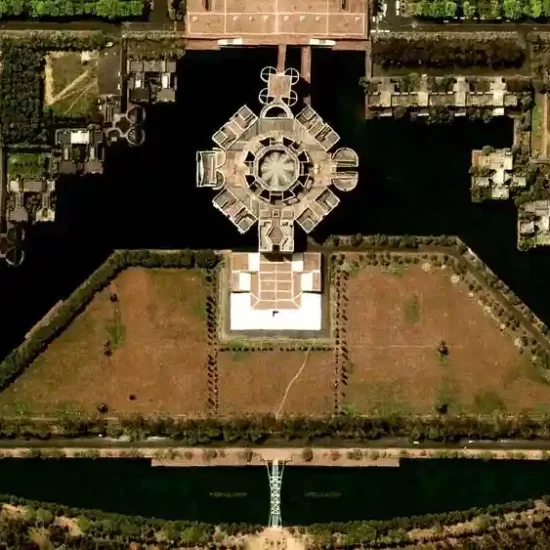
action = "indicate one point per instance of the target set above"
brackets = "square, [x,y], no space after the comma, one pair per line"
[396,51]
[58,40]
[39,9]
[260,429]
[22,356]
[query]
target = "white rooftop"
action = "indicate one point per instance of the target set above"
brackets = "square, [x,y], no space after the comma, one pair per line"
[244,317]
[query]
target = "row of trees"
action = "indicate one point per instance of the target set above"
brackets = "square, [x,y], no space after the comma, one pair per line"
[259,429]
[395,532]
[103,530]
[99,529]
[38,9]
[427,52]
[22,356]
[483,9]
[21,94]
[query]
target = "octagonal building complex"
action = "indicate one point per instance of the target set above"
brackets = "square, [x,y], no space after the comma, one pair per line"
[276,169]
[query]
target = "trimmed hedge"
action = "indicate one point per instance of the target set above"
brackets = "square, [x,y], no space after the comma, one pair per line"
[22,357]
[58,40]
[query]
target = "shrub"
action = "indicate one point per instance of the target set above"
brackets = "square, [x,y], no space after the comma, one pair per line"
[307,454]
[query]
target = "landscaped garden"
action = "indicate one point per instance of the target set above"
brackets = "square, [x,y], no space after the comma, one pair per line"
[420,342]
[140,346]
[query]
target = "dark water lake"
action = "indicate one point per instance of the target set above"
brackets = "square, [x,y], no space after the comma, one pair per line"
[309,494]
[414,179]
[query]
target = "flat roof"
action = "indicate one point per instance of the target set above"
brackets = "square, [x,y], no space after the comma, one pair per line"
[307,317]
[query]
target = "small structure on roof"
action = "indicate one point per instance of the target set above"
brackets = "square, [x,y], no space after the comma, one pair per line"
[493,174]
[81,150]
[152,81]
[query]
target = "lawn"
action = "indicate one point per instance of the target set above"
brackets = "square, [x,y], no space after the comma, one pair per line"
[156,335]
[257,381]
[27,165]
[71,85]
[395,324]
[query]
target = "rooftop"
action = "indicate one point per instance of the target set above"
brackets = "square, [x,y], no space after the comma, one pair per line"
[280,292]
[275,168]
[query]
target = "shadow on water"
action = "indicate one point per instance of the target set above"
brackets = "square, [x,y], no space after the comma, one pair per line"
[241,494]
[133,487]
[319,495]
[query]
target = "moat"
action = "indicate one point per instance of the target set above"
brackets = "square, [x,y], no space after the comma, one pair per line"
[241,495]
[414,180]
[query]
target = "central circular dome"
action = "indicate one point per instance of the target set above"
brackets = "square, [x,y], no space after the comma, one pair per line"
[278,169]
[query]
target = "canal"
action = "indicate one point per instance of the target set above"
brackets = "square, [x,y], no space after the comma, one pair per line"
[241,494]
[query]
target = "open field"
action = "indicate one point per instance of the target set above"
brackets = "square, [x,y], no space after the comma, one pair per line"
[396,320]
[156,332]
[256,382]
[71,85]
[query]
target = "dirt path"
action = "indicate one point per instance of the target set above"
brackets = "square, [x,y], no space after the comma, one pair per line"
[65,91]
[290,384]
[48,83]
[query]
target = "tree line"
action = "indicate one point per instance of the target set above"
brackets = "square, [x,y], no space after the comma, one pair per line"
[98,529]
[107,531]
[395,532]
[490,10]
[448,53]
[39,9]
[22,357]
[341,430]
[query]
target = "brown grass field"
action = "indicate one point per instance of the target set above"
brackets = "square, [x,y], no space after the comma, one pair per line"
[256,382]
[395,323]
[158,337]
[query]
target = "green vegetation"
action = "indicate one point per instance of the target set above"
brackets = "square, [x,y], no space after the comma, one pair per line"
[448,53]
[115,329]
[21,94]
[481,9]
[38,9]
[482,525]
[412,310]
[488,402]
[27,165]
[71,86]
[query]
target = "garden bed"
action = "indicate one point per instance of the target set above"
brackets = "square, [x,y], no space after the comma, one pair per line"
[155,334]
